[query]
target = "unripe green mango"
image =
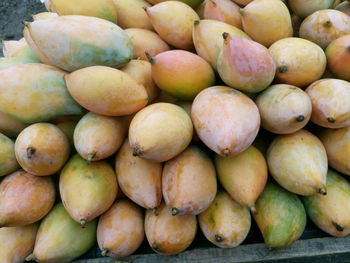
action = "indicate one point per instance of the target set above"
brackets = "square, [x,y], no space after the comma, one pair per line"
[8,162]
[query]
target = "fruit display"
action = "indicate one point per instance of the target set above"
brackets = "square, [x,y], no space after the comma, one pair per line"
[132,123]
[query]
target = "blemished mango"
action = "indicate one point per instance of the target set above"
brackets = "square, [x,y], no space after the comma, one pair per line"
[338,57]
[281,216]
[192,167]
[168,234]
[25,199]
[10,126]
[87,189]
[17,243]
[173,21]
[267,21]
[42,149]
[192,3]
[18,48]
[330,103]
[118,93]
[324,26]
[243,176]
[97,137]
[8,162]
[160,131]
[299,62]
[35,92]
[304,8]
[120,231]
[7,62]
[284,108]
[68,127]
[82,41]
[225,223]
[226,120]
[245,65]
[208,40]
[181,73]
[139,179]
[61,239]
[331,213]
[298,162]
[344,7]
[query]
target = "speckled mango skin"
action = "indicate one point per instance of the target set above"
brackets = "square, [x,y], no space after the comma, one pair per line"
[82,41]
[192,3]
[120,230]
[10,126]
[304,8]
[338,57]
[20,48]
[281,216]
[8,162]
[331,213]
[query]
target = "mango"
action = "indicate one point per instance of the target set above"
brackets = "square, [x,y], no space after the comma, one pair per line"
[25,199]
[87,190]
[7,62]
[226,120]
[344,7]
[324,26]
[284,108]
[120,230]
[167,234]
[338,57]
[17,243]
[61,239]
[8,162]
[245,64]
[331,213]
[181,73]
[267,21]
[281,216]
[173,21]
[304,8]
[298,162]
[299,62]
[10,126]
[330,103]
[18,48]
[192,3]
[82,41]
[44,15]
[68,128]
[139,179]
[42,149]
[165,97]
[160,131]
[225,223]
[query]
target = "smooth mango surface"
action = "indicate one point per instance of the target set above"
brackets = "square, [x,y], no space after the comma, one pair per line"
[338,57]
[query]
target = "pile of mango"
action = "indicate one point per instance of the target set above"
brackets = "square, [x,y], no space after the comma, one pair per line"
[122,120]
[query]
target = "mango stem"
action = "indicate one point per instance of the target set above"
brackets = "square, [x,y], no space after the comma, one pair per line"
[331,120]
[136,152]
[300,118]
[150,58]
[252,209]
[155,211]
[82,222]
[90,156]
[219,238]
[30,152]
[196,22]
[104,252]
[175,211]
[339,227]
[322,190]
[31,257]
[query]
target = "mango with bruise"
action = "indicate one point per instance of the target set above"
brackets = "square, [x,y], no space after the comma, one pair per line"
[8,162]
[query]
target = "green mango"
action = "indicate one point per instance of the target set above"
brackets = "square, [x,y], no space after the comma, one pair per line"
[7,62]
[280,216]
[8,162]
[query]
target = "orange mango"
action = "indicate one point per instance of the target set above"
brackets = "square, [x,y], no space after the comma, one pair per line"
[304,8]
[338,57]
[8,162]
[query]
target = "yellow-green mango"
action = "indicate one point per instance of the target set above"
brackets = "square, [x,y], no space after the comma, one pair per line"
[192,167]
[87,189]
[304,8]
[118,93]
[344,7]
[61,239]
[160,131]
[281,216]
[338,57]
[225,223]
[18,48]
[42,149]
[120,231]
[192,3]
[8,162]
[82,41]
[298,162]
[7,62]
[68,128]
[10,126]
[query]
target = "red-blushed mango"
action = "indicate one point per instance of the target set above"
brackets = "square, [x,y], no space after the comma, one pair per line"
[299,62]
[87,189]
[324,26]
[139,179]
[42,149]
[25,199]
[145,40]
[192,3]
[245,65]
[173,21]
[330,103]
[192,167]
[17,243]
[226,120]
[208,40]
[243,176]
[181,73]
[68,127]
[304,8]
[284,108]
[10,126]
[168,234]
[82,41]
[8,162]
[298,162]
[160,131]
[338,57]
[118,93]
[44,15]
[120,231]
[344,7]
[225,223]
[6,62]
[18,48]
[267,21]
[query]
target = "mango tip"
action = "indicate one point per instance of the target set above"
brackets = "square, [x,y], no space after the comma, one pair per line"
[150,58]
[136,152]
[300,118]
[196,22]
[252,209]
[225,35]
[322,190]
[219,238]
[145,8]
[82,222]
[241,11]
[338,227]
[175,211]
[331,120]
[26,23]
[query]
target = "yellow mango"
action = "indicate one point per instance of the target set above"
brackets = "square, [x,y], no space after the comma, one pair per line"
[338,56]
[8,162]
[10,126]
[304,8]
[18,48]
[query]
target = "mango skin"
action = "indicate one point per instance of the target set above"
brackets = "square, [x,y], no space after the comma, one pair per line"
[192,3]
[20,48]
[25,199]
[6,62]
[304,8]
[338,57]
[298,162]
[8,162]
[281,216]
[120,230]
[10,126]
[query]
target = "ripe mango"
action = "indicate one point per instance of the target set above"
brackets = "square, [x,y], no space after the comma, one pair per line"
[338,57]
[8,162]
[44,15]
[10,126]
[192,3]
[18,48]
[304,8]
